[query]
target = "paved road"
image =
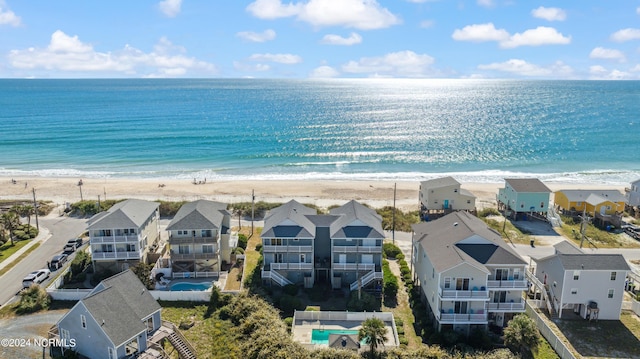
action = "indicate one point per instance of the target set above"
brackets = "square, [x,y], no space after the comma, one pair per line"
[28,327]
[62,229]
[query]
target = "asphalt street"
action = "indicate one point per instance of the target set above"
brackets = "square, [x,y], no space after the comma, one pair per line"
[61,230]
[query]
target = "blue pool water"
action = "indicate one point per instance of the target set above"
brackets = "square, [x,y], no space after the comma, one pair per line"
[184,286]
[321,336]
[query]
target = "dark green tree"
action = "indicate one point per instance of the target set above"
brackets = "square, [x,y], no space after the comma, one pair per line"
[521,334]
[373,333]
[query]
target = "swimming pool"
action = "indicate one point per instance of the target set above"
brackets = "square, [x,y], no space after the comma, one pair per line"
[321,336]
[187,286]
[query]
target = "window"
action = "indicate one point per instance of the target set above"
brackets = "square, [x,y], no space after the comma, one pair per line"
[207,248]
[574,290]
[516,273]
[433,273]
[83,321]
[610,294]
[541,204]
[455,190]
[183,249]
[460,307]
[468,201]
[502,274]
[276,241]
[613,275]
[149,324]
[447,283]
[107,247]
[278,258]
[367,258]
[64,335]
[302,258]
[131,247]
[576,274]
[462,283]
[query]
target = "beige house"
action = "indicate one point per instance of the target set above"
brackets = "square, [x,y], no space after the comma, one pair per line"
[124,235]
[445,194]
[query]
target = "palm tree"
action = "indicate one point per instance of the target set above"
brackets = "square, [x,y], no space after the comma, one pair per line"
[24,210]
[374,333]
[10,221]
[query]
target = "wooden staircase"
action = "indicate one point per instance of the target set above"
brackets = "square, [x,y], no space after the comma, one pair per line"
[180,343]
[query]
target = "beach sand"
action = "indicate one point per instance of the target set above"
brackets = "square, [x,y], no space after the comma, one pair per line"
[320,193]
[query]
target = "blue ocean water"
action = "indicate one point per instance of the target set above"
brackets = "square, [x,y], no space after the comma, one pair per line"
[387,129]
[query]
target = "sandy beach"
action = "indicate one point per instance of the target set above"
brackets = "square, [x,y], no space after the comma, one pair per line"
[321,193]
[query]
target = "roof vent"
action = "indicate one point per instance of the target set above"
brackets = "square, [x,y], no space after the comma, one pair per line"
[455,224]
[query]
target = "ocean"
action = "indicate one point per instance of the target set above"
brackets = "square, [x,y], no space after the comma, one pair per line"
[343,129]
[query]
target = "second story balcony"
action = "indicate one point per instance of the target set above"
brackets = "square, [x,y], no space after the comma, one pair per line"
[193,256]
[354,266]
[289,266]
[510,284]
[473,294]
[133,238]
[462,318]
[506,307]
[287,249]
[98,255]
[193,240]
[356,249]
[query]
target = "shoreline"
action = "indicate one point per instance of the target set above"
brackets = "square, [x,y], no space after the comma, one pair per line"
[322,193]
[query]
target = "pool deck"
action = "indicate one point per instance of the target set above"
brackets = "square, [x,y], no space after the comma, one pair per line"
[303,328]
[218,282]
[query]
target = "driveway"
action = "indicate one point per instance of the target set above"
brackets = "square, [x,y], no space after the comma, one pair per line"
[29,328]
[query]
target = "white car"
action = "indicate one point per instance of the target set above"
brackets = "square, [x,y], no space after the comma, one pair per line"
[36,277]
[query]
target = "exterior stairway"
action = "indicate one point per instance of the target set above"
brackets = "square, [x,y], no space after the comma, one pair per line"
[366,279]
[180,343]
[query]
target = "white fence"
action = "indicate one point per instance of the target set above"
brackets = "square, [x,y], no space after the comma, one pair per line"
[555,342]
[68,294]
[632,305]
[173,296]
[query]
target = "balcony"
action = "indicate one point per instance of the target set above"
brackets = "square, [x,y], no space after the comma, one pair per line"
[507,284]
[357,249]
[115,255]
[193,256]
[452,294]
[116,239]
[354,266]
[291,266]
[287,249]
[462,318]
[192,240]
[506,307]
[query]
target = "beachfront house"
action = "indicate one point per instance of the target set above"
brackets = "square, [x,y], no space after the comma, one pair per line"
[442,195]
[604,206]
[199,238]
[343,248]
[522,197]
[589,285]
[124,235]
[467,274]
[116,320]
[632,194]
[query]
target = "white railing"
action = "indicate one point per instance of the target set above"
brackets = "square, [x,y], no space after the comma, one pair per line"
[354,266]
[463,294]
[287,249]
[366,279]
[68,294]
[291,266]
[507,284]
[193,256]
[506,307]
[115,239]
[177,275]
[357,249]
[461,318]
[191,240]
[187,295]
[115,255]
[276,277]
[538,284]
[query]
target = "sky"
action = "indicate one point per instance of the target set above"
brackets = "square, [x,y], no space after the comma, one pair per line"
[580,39]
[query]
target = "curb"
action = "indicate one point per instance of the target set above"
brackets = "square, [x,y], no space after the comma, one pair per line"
[43,235]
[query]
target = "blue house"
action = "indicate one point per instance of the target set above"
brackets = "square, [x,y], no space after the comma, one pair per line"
[522,196]
[115,320]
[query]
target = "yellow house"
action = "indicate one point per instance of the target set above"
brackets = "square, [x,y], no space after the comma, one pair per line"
[590,201]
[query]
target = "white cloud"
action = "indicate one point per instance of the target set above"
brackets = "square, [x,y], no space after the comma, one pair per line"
[425,24]
[600,73]
[71,56]
[541,35]
[359,14]
[266,35]
[524,68]
[324,72]
[626,35]
[480,33]
[549,13]
[8,17]
[170,8]
[288,59]
[396,64]
[331,39]
[607,54]
[486,3]
[240,66]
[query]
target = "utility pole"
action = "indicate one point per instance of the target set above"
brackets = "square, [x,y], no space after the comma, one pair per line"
[393,225]
[253,199]
[80,186]
[583,225]
[35,208]
[99,210]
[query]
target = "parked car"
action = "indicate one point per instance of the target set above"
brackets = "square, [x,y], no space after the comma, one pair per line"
[72,245]
[58,261]
[36,277]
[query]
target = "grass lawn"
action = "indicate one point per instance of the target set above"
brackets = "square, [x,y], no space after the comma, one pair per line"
[6,250]
[602,239]
[545,351]
[21,257]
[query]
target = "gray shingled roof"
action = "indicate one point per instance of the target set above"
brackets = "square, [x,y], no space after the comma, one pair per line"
[290,211]
[606,262]
[120,306]
[582,195]
[440,240]
[565,247]
[354,211]
[200,214]
[527,185]
[439,182]
[131,213]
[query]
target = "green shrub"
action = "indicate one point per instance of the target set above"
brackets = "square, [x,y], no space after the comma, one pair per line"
[391,250]
[242,241]
[33,299]
[488,212]
[367,302]
[168,208]
[400,257]
[389,281]
[289,303]
[290,289]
